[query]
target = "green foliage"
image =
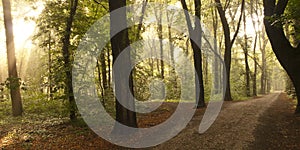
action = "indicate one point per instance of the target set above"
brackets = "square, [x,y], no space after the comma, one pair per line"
[237,81]
[51,25]
[289,87]
[292,21]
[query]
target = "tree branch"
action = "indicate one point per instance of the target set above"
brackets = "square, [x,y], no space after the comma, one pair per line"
[99,3]
[239,23]
[280,7]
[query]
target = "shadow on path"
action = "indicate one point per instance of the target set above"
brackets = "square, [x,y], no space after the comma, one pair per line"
[278,127]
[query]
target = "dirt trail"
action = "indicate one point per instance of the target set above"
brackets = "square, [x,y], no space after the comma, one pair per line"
[240,125]
[262,123]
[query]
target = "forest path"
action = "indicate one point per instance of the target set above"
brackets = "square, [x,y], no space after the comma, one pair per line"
[266,122]
[261,123]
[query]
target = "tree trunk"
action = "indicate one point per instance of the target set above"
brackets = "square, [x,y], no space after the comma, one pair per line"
[67,60]
[158,16]
[119,42]
[287,55]
[17,108]
[160,37]
[264,63]
[205,62]
[104,76]
[109,68]
[100,83]
[172,60]
[215,63]
[245,48]
[228,44]
[50,92]
[255,68]
[197,34]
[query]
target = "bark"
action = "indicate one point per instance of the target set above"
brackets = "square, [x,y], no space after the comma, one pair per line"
[119,42]
[216,71]
[245,48]
[109,68]
[173,73]
[67,60]
[264,75]
[254,88]
[197,34]
[104,76]
[140,25]
[228,43]
[100,83]
[287,55]
[160,37]
[50,68]
[158,16]
[169,19]
[17,108]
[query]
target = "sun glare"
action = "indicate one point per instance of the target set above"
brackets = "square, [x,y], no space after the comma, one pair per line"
[23,30]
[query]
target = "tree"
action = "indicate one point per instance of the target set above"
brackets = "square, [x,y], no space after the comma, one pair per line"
[228,42]
[118,43]
[246,53]
[158,16]
[196,32]
[287,55]
[264,74]
[254,10]
[67,60]
[15,94]
[255,68]
[216,67]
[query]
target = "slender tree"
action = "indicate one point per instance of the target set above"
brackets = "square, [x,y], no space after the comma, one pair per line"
[228,41]
[215,63]
[170,17]
[254,77]
[67,59]
[158,15]
[254,10]
[264,74]
[246,53]
[15,94]
[104,76]
[196,32]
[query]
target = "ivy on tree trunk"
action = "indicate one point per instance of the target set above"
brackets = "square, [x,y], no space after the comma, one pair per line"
[14,81]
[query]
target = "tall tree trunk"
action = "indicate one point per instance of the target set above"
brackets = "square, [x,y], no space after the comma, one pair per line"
[109,68]
[67,60]
[245,48]
[119,42]
[205,70]
[254,88]
[50,92]
[104,76]
[216,71]
[172,60]
[287,55]
[160,37]
[100,83]
[255,24]
[17,108]
[264,75]
[228,43]
[196,33]
[158,15]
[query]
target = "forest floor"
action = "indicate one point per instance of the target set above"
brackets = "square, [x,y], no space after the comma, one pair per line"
[265,122]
